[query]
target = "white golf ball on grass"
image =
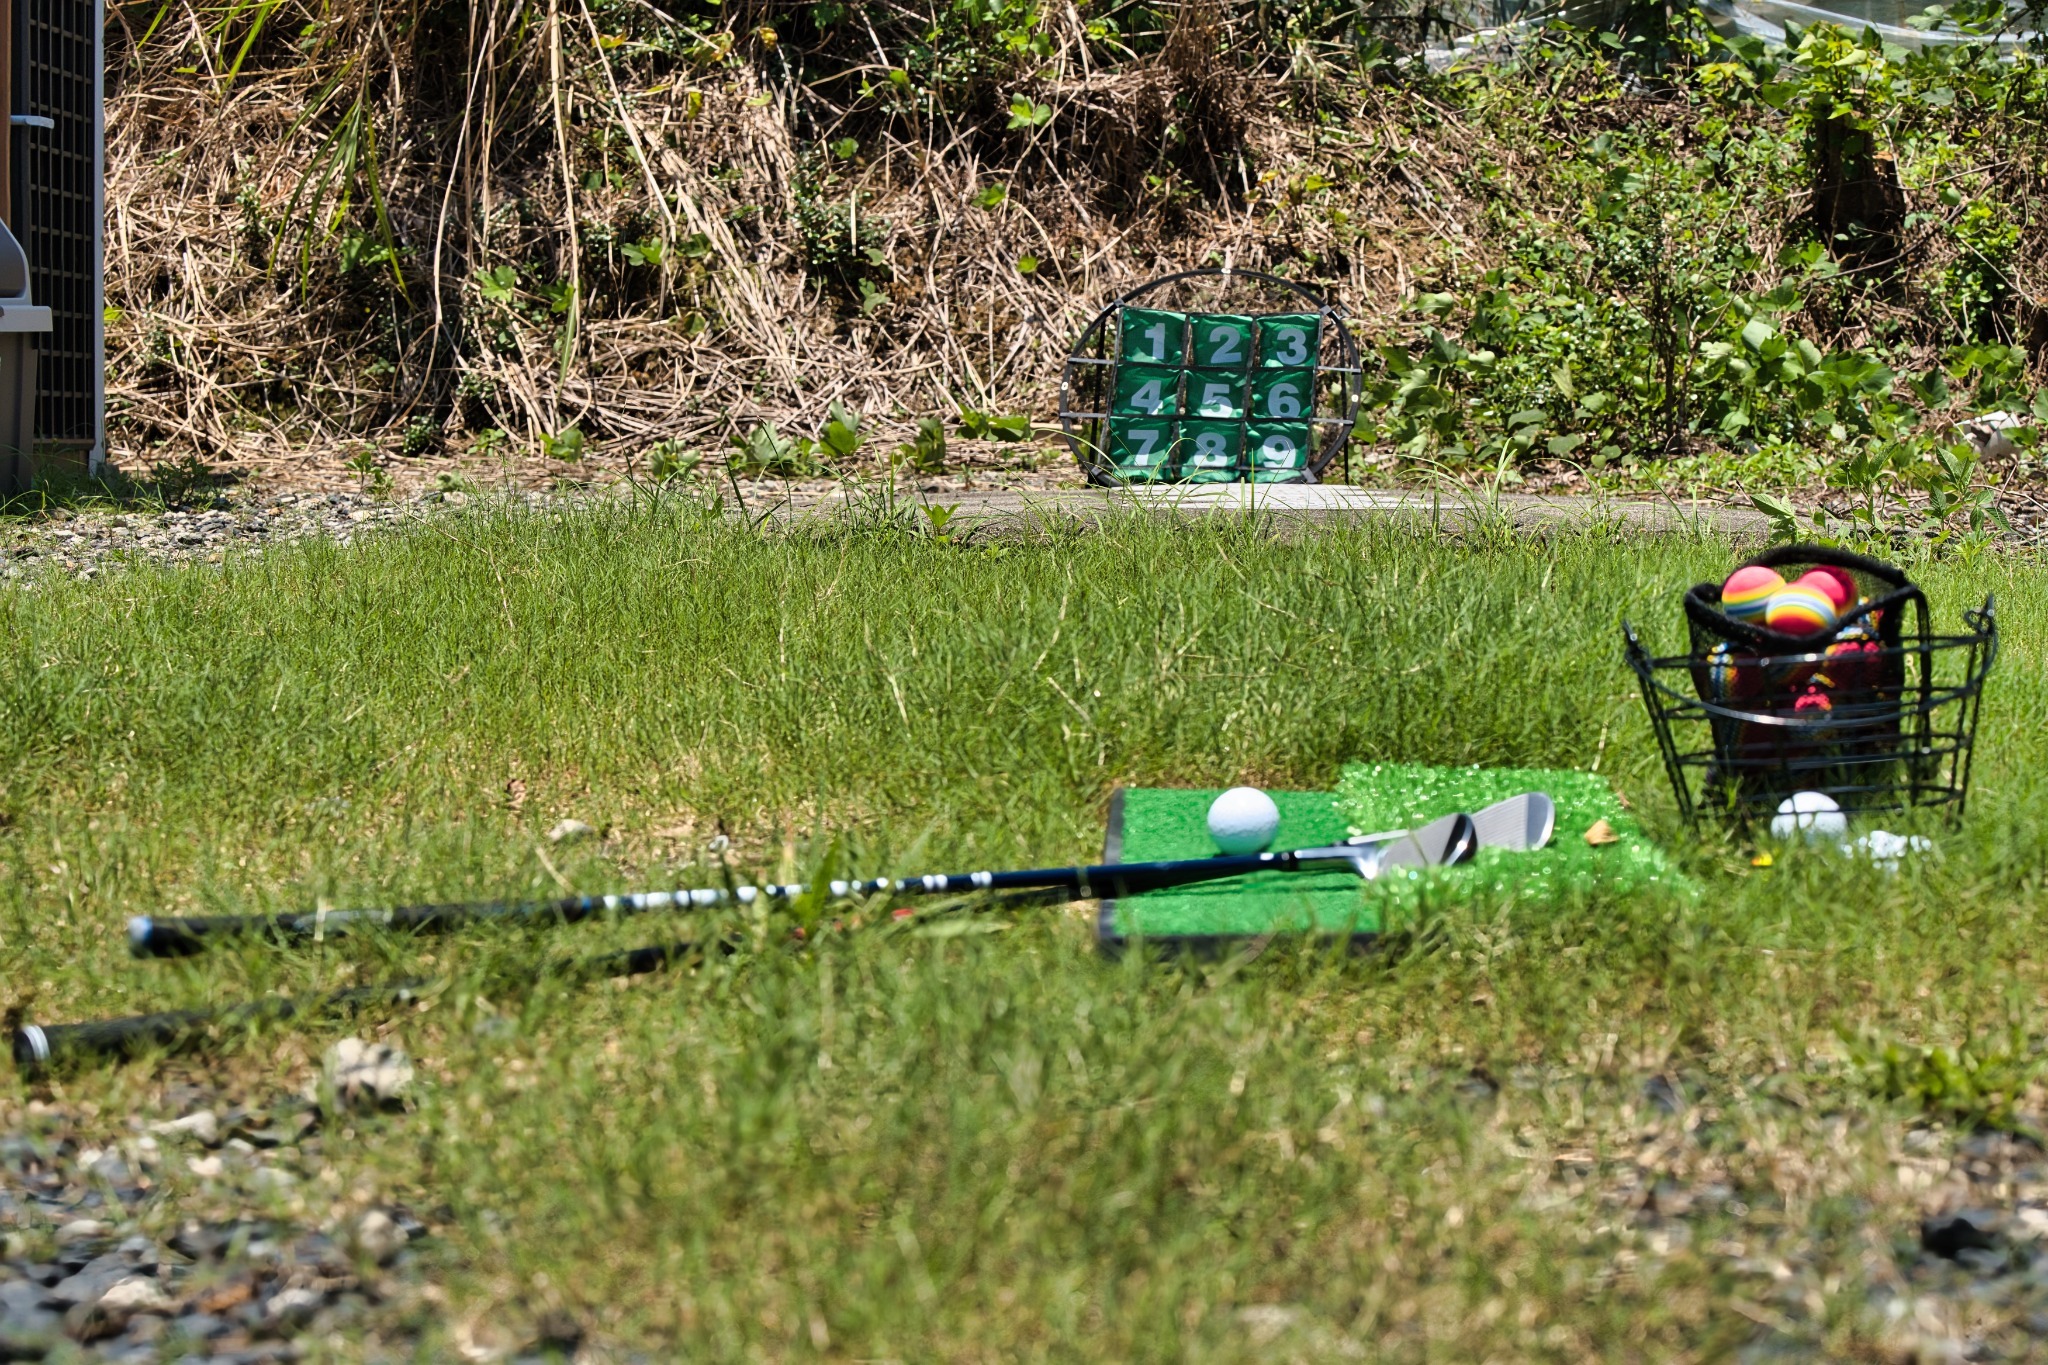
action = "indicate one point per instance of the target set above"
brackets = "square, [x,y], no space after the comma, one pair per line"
[1812,814]
[1243,820]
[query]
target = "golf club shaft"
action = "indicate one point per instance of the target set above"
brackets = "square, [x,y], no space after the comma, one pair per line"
[182,937]
[36,1047]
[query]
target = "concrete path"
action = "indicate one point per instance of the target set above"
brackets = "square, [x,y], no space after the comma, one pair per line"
[1330,502]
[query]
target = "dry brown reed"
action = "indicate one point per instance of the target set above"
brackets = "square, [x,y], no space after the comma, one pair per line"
[307,202]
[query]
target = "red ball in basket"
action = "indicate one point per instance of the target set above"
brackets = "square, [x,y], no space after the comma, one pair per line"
[1747,593]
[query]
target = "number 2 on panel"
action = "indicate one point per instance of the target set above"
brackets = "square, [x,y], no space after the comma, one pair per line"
[1229,344]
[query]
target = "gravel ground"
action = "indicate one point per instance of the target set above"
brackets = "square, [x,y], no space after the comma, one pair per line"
[83,541]
[225,1235]
[100,1264]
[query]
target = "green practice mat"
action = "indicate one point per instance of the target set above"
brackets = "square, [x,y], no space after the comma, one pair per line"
[1150,823]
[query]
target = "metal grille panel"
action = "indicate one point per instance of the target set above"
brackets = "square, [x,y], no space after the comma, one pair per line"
[57,207]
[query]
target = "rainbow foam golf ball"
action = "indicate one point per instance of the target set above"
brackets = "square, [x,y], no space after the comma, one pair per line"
[1836,583]
[1243,820]
[1816,815]
[1748,591]
[1800,609]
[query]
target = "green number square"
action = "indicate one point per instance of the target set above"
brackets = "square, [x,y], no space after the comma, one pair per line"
[1151,337]
[1216,393]
[1277,448]
[1146,391]
[1289,340]
[1141,448]
[1284,395]
[1209,451]
[1222,341]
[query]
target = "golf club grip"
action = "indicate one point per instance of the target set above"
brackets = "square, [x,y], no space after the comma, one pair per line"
[36,1046]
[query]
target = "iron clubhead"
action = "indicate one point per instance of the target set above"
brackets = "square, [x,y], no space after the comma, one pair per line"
[1520,824]
[1440,843]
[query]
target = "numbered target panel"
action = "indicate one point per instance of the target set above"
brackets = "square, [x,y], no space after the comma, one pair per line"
[1142,448]
[1147,391]
[1211,452]
[1213,388]
[1289,340]
[1222,341]
[1151,337]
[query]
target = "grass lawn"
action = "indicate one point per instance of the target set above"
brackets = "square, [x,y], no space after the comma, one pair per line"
[1626,1128]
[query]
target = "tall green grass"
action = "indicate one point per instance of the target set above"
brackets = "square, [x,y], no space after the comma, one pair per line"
[921,1143]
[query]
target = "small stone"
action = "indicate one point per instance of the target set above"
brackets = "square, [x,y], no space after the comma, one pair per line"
[111,1311]
[197,1242]
[201,1326]
[376,1236]
[202,1127]
[568,830]
[1602,833]
[81,1230]
[135,1295]
[206,1167]
[273,1179]
[293,1307]
[367,1075]
[29,1335]
[1950,1234]
[93,1280]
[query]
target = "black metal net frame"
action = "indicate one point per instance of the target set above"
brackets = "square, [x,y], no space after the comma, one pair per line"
[1905,745]
[1088,380]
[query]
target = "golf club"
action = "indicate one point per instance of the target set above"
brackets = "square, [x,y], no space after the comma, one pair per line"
[1452,839]
[36,1047]
[1449,840]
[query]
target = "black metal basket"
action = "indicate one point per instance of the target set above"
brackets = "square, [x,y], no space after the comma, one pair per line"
[1880,715]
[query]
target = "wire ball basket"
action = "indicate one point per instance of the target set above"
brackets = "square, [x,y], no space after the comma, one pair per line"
[1879,714]
[1212,376]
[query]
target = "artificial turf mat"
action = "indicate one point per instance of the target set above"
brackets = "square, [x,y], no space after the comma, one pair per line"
[1148,823]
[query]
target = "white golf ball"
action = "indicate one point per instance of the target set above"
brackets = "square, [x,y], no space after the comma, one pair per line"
[1813,814]
[1243,820]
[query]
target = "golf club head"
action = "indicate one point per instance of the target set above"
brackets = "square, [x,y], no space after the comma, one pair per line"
[1452,839]
[1440,843]
[1520,824]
